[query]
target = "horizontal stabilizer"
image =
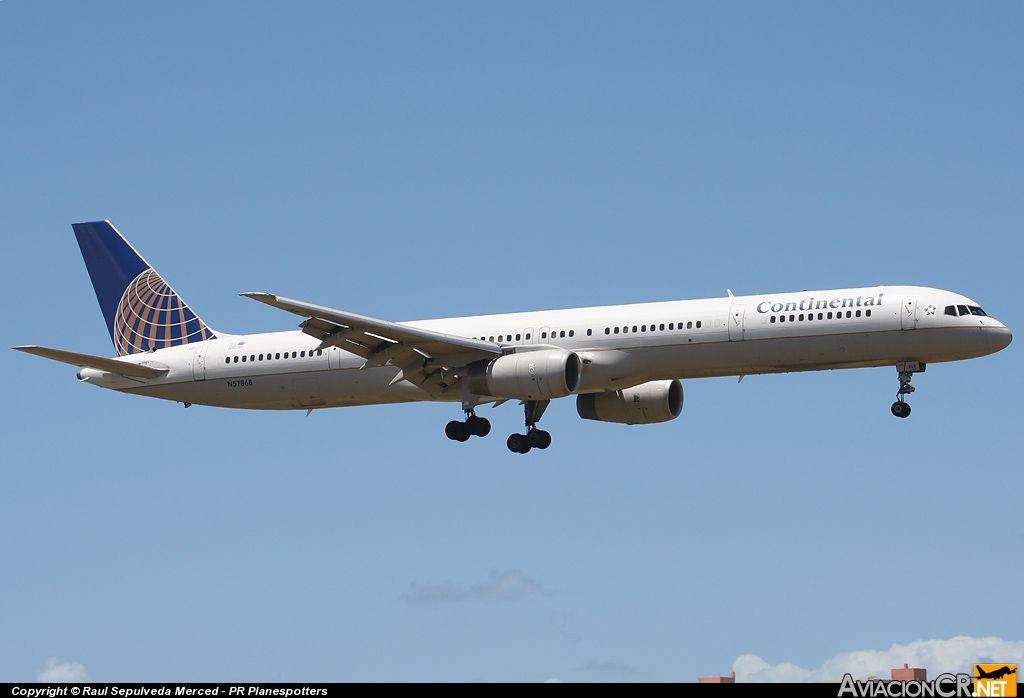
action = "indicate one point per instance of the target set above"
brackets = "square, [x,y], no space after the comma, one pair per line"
[124,368]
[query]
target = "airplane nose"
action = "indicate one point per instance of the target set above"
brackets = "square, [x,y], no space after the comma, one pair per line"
[998,337]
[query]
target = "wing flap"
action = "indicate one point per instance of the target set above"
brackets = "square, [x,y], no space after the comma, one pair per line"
[367,337]
[124,368]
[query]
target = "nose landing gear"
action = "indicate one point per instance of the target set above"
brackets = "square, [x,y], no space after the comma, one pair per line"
[905,371]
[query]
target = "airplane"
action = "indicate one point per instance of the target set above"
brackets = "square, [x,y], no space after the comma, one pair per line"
[994,674]
[623,363]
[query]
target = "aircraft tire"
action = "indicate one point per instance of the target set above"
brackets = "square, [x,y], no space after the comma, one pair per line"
[538,438]
[456,431]
[901,409]
[478,426]
[517,443]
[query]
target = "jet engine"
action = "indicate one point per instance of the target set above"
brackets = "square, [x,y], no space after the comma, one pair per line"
[529,375]
[647,403]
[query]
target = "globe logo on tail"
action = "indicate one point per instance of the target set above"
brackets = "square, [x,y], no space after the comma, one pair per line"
[152,316]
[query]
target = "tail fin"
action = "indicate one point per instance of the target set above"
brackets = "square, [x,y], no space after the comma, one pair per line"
[142,312]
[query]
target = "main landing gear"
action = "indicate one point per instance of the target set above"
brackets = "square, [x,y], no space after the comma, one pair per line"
[517,443]
[473,426]
[534,437]
[905,370]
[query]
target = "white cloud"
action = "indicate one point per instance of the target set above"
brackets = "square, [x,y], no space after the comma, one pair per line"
[68,672]
[937,656]
[501,586]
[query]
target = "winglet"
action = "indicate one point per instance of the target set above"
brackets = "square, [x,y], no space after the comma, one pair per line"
[270,299]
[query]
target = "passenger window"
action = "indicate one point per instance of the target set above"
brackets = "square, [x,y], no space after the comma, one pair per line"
[819,315]
[867,312]
[792,318]
[634,328]
[698,324]
[829,316]
[951,310]
[277,355]
[661,327]
[801,317]
[293,354]
[773,318]
[252,358]
[849,313]
[782,318]
[607,330]
[236,359]
[243,359]
[590,332]
[858,313]
[491,339]
[671,325]
[517,337]
[319,352]
[571,333]
[562,333]
[643,328]
[543,335]
[527,335]
[227,359]
[261,357]
[963,310]
[616,330]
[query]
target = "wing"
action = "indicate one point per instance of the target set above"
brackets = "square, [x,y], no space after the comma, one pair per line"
[425,358]
[152,370]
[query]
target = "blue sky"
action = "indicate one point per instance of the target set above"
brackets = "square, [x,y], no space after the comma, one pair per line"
[410,161]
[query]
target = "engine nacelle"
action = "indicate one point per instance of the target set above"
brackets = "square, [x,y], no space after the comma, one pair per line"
[528,375]
[647,403]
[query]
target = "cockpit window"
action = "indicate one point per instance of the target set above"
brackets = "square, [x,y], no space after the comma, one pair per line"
[963,310]
[975,310]
[951,310]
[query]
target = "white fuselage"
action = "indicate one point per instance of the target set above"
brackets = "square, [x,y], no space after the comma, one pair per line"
[620,346]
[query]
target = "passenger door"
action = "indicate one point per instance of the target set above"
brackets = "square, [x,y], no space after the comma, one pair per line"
[736,323]
[199,363]
[908,313]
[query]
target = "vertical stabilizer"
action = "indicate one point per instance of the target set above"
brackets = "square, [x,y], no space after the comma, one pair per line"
[141,311]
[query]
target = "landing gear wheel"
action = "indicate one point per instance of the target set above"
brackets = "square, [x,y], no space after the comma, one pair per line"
[457,431]
[478,426]
[517,443]
[538,438]
[901,409]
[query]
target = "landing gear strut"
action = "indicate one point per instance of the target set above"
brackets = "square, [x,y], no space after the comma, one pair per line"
[473,426]
[905,370]
[534,437]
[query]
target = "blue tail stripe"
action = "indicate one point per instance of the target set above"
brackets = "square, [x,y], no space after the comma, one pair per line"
[112,264]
